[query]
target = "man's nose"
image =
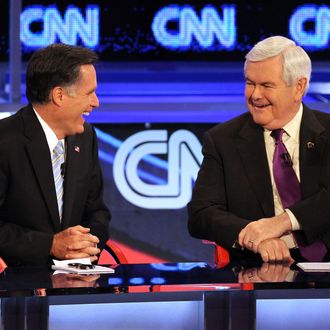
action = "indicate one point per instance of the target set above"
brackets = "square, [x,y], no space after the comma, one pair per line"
[257,93]
[95,101]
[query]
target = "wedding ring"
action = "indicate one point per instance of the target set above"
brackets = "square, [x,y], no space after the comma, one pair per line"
[251,242]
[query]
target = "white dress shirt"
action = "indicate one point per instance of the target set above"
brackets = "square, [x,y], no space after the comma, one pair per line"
[50,135]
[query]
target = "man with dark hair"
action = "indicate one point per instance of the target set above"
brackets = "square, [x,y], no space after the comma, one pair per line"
[263,189]
[51,186]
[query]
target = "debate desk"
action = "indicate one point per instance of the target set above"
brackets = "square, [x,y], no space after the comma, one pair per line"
[167,296]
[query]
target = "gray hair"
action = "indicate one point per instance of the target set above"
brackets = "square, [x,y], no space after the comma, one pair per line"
[296,62]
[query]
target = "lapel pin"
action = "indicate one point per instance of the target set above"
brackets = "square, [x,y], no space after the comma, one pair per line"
[310,145]
[77,149]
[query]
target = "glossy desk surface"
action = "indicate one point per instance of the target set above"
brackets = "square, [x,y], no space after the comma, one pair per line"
[181,296]
[171,277]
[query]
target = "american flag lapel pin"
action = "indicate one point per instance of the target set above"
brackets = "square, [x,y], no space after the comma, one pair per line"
[76,149]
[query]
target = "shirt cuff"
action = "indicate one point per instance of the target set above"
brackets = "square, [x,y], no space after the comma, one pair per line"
[289,241]
[294,222]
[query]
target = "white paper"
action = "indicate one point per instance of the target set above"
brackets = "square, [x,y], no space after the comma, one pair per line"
[62,266]
[314,266]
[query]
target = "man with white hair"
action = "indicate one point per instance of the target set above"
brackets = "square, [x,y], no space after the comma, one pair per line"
[264,185]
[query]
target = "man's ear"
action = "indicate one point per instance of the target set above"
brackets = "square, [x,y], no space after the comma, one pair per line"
[57,95]
[301,86]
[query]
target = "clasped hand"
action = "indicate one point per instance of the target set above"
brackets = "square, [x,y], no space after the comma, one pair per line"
[75,242]
[263,237]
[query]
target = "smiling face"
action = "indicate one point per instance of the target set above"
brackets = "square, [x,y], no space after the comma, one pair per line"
[271,102]
[78,100]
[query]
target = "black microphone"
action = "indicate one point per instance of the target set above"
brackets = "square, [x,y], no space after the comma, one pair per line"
[287,159]
[63,169]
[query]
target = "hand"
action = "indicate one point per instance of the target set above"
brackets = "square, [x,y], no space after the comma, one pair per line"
[75,242]
[257,231]
[266,273]
[274,250]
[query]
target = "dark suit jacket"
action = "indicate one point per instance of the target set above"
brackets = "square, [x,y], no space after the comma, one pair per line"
[234,185]
[28,208]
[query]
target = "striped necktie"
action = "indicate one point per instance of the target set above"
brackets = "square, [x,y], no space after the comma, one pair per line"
[57,161]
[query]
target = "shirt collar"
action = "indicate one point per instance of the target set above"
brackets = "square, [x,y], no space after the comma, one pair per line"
[292,128]
[50,134]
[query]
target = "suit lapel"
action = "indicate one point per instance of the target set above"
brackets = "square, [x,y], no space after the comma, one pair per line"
[311,149]
[251,148]
[38,152]
[72,168]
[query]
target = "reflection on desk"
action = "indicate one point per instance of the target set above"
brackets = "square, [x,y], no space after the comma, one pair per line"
[267,272]
[158,277]
[197,295]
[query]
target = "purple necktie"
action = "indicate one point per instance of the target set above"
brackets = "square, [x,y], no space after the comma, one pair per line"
[289,190]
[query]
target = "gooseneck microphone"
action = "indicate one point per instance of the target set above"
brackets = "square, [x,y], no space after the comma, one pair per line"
[287,159]
[63,169]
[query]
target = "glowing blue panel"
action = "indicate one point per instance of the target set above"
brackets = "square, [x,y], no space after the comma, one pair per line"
[137,280]
[319,16]
[293,314]
[208,30]
[143,315]
[56,28]
[115,281]
[157,280]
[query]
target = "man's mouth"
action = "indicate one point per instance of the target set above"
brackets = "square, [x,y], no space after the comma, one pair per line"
[86,113]
[260,106]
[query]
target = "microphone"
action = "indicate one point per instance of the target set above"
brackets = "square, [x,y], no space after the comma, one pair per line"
[287,159]
[63,169]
